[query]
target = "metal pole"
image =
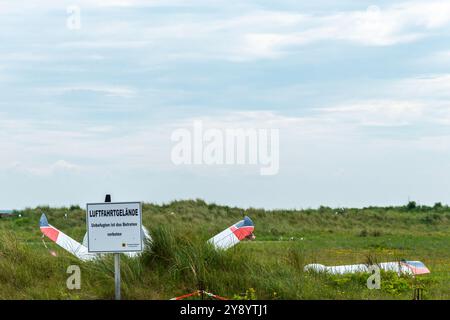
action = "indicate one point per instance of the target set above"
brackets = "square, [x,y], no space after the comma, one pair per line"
[117,274]
[116,264]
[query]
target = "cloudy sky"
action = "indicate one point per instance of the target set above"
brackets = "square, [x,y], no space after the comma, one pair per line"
[359,91]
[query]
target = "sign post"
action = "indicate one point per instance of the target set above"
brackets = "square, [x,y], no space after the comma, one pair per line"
[116,264]
[114,228]
[117,275]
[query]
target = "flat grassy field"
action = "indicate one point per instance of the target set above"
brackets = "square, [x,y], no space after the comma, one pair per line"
[179,261]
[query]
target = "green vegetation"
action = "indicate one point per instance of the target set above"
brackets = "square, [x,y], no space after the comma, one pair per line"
[271,267]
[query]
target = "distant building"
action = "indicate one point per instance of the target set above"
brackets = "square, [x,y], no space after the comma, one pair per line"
[6,213]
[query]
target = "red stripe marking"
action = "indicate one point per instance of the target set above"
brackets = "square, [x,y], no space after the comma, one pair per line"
[50,232]
[243,232]
[186,295]
[415,270]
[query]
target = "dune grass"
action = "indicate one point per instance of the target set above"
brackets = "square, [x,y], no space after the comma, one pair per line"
[180,261]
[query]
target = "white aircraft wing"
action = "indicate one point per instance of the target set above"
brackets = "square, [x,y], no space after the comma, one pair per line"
[233,235]
[64,241]
[400,267]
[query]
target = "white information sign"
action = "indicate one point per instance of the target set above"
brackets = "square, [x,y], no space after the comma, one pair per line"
[114,227]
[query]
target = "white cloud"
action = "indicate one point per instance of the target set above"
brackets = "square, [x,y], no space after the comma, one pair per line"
[60,166]
[431,86]
[442,55]
[107,90]
[378,112]
[104,44]
[408,114]
[440,143]
[399,23]
[272,34]
[253,33]
[17,6]
[243,35]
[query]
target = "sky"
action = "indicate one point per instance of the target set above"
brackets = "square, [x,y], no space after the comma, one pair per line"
[359,91]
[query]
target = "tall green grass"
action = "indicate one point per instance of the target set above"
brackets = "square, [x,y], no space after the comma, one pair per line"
[180,260]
